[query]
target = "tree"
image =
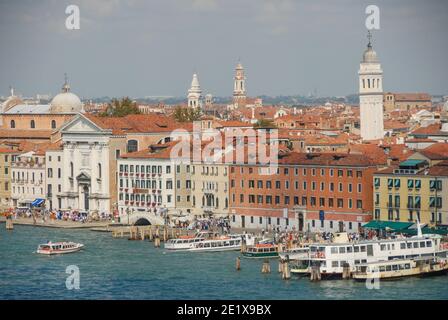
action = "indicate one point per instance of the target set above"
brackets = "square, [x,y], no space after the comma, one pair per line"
[265,123]
[121,108]
[187,114]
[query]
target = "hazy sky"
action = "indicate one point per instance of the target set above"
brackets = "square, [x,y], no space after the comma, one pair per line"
[150,48]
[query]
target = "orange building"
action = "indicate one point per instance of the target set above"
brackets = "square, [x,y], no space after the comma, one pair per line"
[314,192]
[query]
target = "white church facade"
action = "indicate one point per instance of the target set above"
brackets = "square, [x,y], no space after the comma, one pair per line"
[85,167]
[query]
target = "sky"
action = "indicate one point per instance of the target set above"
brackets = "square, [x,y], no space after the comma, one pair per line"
[142,48]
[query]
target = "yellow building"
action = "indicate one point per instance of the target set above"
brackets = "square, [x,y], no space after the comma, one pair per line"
[413,190]
[6,157]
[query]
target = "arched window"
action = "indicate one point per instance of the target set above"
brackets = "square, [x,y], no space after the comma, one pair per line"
[32,124]
[13,124]
[368,83]
[71,169]
[99,170]
[53,124]
[363,83]
[132,145]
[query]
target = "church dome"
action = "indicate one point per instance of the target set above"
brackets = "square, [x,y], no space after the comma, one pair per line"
[370,55]
[12,101]
[66,102]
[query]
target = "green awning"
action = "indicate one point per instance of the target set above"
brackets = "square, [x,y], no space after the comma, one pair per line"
[411,162]
[392,225]
[426,230]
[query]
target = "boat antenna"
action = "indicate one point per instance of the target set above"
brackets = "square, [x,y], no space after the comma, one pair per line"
[419,230]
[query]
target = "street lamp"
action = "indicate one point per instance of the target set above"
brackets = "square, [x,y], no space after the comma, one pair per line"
[128,212]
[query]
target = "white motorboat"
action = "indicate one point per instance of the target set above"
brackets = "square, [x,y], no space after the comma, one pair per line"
[51,248]
[298,253]
[187,242]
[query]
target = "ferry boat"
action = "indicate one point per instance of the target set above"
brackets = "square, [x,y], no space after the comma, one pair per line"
[331,258]
[395,269]
[298,253]
[51,248]
[187,242]
[223,243]
[261,250]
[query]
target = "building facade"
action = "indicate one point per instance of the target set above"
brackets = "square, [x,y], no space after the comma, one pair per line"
[146,183]
[412,191]
[28,178]
[54,178]
[86,173]
[310,192]
[7,156]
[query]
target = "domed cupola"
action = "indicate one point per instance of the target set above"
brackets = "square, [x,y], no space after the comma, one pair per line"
[11,102]
[66,102]
[369,55]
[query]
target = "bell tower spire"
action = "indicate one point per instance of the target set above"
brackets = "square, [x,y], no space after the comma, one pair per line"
[239,85]
[371,94]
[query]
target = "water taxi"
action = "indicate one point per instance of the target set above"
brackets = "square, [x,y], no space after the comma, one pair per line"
[51,248]
[395,269]
[187,242]
[261,250]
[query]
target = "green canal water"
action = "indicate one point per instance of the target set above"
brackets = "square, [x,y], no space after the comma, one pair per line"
[121,269]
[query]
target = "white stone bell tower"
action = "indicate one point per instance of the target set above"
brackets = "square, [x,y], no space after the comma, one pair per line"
[195,93]
[239,85]
[371,95]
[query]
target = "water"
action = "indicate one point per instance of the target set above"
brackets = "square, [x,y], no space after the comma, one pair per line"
[121,269]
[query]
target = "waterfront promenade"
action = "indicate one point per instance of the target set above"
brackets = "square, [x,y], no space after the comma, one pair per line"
[58,223]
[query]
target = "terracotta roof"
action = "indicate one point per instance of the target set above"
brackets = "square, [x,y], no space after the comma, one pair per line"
[437,151]
[328,159]
[24,134]
[431,129]
[412,97]
[395,125]
[234,123]
[7,150]
[139,123]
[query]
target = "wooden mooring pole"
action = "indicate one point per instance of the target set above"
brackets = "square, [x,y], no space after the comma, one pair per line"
[9,224]
[266,268]
[315,273]
[286,274]
[238,264]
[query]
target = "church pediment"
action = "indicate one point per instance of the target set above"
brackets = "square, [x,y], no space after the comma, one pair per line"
[83,177]
[81,124]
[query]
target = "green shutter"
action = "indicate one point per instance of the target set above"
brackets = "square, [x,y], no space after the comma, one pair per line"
[390,183]
[417,201]
[432,202]
[418,184]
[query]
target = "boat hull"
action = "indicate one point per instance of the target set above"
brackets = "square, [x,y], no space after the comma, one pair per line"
[399,276]
[261,255]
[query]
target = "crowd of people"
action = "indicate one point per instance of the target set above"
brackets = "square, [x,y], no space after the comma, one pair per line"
[211,224]
[45,215]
